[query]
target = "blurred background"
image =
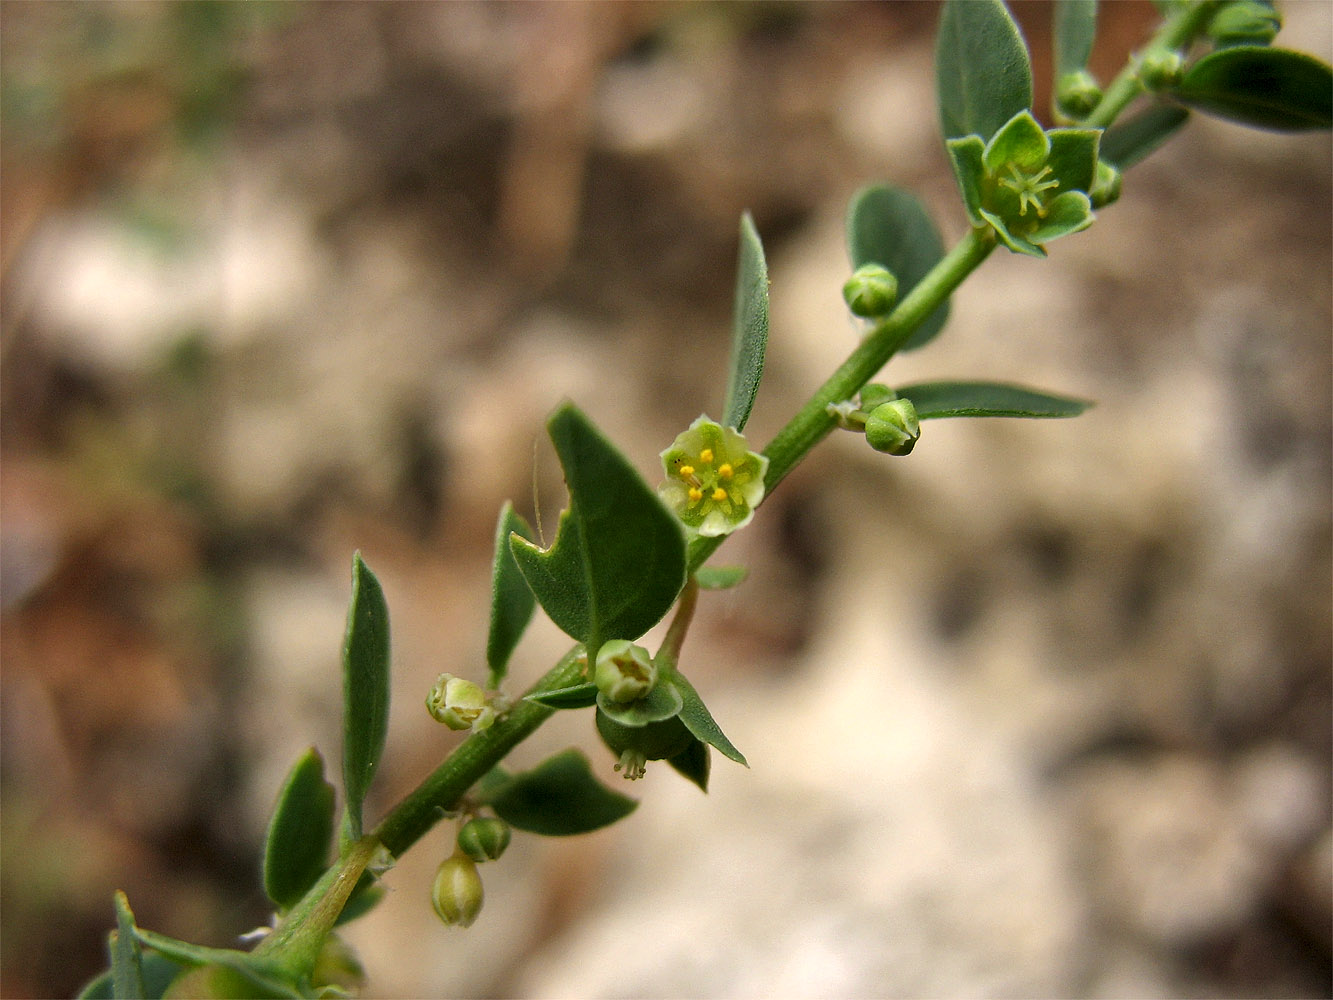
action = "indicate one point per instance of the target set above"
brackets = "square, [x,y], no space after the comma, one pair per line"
[1043,710]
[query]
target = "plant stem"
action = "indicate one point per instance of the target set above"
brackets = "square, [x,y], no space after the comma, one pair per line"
[1176,33]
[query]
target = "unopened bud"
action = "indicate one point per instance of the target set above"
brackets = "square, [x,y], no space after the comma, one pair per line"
[459,704]
[625,672]
[871,291]
[1244,22]
[893,427]
[1077,94]
[1161,69]
[484,839]
[457,894]
[1105,185]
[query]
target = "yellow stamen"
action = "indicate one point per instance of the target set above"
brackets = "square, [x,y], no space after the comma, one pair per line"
[724,470]
[719,494]
[696,494]
[686,471]
[706,455]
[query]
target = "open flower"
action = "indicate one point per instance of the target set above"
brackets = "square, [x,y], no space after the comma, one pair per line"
[713,482]
[1029,185]
[460,704]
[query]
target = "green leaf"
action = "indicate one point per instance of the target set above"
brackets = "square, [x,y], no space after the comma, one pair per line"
[661,703]
[365,688]
[158,973]
[574,696]
[694,763]
[1074,28]
[126,970]
[261,977]
[300,832]
[558,798]
[987,399]
[749,335]
[618,560]
[1125,144]
[1261,86]
[720,577]
[511,599]
[968,157]
[891,227]
[699,721]
[983,76]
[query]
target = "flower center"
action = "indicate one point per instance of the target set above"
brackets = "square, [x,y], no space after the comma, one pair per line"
[1029,188]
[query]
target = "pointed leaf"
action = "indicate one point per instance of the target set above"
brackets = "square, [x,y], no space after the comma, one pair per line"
[1074,29]
[699,721]
[1261,86]
[300,832]
[559,798]
[749,336]
[575,696]
[1127,143]
[126,969]
[365,688]
[983,76]
[720,577]
[618,560]
[661,703]
[987,399]
[512,602]
[694,763]
[891,227]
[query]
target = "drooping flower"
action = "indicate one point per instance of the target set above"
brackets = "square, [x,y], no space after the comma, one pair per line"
[713,481]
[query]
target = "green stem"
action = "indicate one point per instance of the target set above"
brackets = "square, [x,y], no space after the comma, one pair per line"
[1179,30]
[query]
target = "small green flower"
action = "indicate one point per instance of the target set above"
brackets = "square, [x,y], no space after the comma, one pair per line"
[625,672]
[460,704]
[1027,184]
[713,482]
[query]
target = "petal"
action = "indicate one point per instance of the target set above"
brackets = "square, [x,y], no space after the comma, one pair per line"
[716,524]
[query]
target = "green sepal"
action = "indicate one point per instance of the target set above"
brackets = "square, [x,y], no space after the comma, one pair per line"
[558,798]
[749,337]
[618,560]
[694,763]
[891,227]
[365,689]
[158,973]
[575,696]
[1128,142]
[720,577]
[1066,213]
[1073,157]
[983,75]
[1073,30]
[969,167]
[126,963]
[699,721]
[661,703]
[1014,241]
[1261,86]
[988,399]
[296,850]
[1021,142]
[512,602]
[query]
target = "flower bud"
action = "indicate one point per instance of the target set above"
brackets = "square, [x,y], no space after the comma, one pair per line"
[459,704]
[1161,69]
[484,839]
[625,672]
[457,894]
[1077,94]
[893,427]
[1106,185]
[1244,22]
[871,291]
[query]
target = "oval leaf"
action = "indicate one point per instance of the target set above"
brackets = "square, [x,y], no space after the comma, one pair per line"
[987,399]
[618,560]
[1074,29]
[1125,144]
[575,696]
[891,227]
[749,328]
[365,688]
[699,721]
[694,763]
[1260,86]
[983,76]
[300,832]
[512,602]
[559,798]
